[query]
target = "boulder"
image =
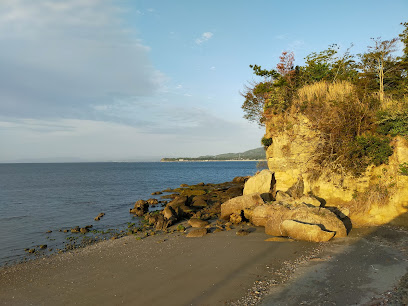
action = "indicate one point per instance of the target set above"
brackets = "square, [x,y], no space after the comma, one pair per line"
[141,207]
[273,215]
[194,222]
[153,202]
[310,200]
[199,202]
[157,193]
[306,232]
[263,182]
[169,213]
[199,232]
[238,204]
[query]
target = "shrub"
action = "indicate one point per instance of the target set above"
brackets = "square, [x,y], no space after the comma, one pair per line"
[403,169]
[367,150]
[266,142]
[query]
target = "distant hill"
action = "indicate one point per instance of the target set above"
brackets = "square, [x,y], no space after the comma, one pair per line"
[254,154]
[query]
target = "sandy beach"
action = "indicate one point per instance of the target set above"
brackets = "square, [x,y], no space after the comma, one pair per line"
[217,269]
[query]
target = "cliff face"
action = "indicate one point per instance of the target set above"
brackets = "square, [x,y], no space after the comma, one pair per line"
[376,197]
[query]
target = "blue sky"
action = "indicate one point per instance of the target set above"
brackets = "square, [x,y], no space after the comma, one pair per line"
[99,80]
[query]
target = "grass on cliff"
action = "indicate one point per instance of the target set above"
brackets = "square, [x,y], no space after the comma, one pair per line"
[353,129]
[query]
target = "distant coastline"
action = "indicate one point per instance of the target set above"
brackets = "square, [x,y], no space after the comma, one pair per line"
[182,160]
[257,154]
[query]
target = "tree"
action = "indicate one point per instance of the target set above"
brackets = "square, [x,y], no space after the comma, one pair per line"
[378,61]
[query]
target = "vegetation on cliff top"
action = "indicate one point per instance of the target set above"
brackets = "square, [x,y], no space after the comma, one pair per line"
[357,103]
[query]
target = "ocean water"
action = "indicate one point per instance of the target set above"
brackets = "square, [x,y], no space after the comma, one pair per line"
[36,198]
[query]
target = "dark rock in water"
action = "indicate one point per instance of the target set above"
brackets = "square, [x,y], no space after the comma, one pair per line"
[31,251]
[157,193]
[101,215]
[75,229]
[199,232]
[83,230]
[97,218]
[48,232]
[89,226]
[141,207]
[66,230]
[243,232]
[43,246]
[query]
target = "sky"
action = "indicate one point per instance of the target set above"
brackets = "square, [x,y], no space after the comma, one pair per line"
[102,80]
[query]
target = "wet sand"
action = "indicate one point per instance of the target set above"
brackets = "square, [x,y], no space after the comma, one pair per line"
[217,269]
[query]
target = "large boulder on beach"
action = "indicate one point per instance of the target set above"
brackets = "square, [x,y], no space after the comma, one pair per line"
[263,182]
[238,204]
[274,214]
[306,232]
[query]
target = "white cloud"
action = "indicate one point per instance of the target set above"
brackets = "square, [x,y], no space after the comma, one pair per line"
[59,58]
[204,37]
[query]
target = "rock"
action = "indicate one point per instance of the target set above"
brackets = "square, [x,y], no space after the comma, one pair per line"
[236,218]
[192,192]
[310,200]
[297,189]
[243,232]
[31,251]
[282,196]
[272,215]
[141,207]
[75,229]
[101,215]
[201,184]
[193,222]
[306,232]
[184,185]
[43,246]
[238,204]
[169,213]
[199,232]
[279,239]
[235,191]
[240,179]
[66,230]
[83,230]
[97,218]
[263,182]
[199,203]
[152,202]
[48,232]
[157,193]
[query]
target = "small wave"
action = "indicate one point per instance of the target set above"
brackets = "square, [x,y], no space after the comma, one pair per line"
[13,218]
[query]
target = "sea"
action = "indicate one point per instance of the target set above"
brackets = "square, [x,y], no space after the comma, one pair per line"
[41,197]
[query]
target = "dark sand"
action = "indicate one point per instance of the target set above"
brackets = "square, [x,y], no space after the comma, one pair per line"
[217,269]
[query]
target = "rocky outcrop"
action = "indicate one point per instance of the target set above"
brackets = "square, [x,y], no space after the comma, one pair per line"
[376,197]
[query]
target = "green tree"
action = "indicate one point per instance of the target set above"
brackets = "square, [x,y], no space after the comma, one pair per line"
[378,63]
